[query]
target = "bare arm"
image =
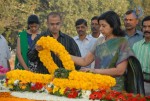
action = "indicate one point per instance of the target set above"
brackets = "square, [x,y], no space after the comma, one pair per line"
[19,56]
[114,71]
[83,61]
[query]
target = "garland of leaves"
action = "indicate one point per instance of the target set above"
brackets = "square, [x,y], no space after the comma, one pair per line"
[51,44]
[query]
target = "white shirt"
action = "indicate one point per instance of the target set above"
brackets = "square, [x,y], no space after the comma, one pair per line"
[4,52]
[83,45]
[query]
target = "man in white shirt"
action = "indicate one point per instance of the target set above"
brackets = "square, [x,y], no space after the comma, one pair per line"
[4,56]
[82,39]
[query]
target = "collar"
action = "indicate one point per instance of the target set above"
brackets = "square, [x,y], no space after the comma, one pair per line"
[144,42]
[137,32]
[60,33]
[87,37]
[100,35]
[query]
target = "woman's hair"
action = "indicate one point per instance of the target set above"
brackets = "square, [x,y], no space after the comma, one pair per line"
[114,21]
[33,19]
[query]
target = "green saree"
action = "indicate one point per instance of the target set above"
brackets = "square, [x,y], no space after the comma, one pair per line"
[110,53]
[24,49]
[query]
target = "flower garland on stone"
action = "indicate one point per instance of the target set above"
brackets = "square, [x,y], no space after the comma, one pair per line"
[85,81]
[51,44]
[22,80]
[27,76]
[78,85]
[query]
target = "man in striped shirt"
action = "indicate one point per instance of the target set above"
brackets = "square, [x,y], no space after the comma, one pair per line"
[142,51]
[54,22]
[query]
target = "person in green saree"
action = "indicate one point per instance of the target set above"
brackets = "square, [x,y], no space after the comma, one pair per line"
[113,56]
[24,42]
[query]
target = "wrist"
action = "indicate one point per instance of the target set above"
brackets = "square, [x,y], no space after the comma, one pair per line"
[26,68]
[93,70]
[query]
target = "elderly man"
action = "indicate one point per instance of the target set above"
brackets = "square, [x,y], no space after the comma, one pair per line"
[130,21]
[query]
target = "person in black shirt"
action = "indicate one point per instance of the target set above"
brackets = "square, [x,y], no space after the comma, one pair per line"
[54,22]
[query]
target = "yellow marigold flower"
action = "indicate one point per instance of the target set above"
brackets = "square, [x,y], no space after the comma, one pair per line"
[10,86]
[85,81]
[11,81]
[51,44]
[62,90]
[55,89]
[23,87]
[5,84]
[23,82]
[50,90]
[27,76]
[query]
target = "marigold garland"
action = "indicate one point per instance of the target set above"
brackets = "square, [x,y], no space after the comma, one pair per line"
[51,44]
[85,81]
[27,76]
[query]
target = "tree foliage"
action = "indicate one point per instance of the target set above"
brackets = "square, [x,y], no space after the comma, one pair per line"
[72,10]
[144,4]
[14,13]
[13,17]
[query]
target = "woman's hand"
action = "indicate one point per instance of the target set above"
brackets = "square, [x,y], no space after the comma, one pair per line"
[26,68]
[83,69]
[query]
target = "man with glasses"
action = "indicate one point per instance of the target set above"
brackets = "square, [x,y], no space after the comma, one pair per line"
[54,22]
